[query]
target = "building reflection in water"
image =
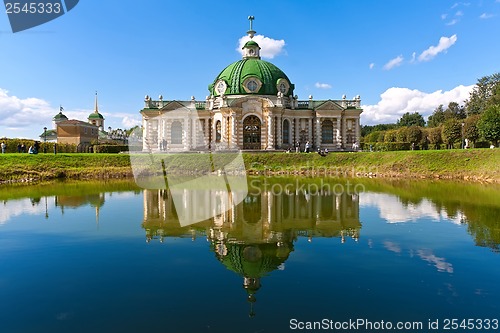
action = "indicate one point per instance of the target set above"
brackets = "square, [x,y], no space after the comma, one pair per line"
[95,200]
[256,236]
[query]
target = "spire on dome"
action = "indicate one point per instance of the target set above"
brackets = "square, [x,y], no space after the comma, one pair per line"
[251,32]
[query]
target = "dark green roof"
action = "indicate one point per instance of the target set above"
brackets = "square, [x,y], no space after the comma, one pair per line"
[251,43]
[60,116]
[97,115]
[48,133]
[235,74]
[254,260]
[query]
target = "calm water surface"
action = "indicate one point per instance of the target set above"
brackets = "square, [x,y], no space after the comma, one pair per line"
[113,258]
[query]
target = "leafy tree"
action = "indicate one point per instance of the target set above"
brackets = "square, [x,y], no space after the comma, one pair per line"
[471,131]
[489,124]
[424,141]
[409,119]
[401,135]
[451,132]
[376,136]
[486,93]
[414,134]
[435,136]
[454,111]
[367,129]
[390,136]
[129,131]
[437,117]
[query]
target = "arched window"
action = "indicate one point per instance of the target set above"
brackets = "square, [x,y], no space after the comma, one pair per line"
[286,131]
[327,131]
[218,131]
[176,133]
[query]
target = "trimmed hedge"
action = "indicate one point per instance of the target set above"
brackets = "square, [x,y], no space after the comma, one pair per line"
[391,146]
[11,146]
[110,149]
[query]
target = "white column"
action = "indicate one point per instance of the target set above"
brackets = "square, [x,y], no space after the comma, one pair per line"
[310,131]
[344,131]
[234,132]
[339,133]
[145,135]
[270,133]
[206,133]
[225,132]
[297,130]
[158,134]
[358,130]
[318,133]
[280,132]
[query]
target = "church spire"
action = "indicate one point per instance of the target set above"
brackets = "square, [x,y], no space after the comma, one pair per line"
[96,108]
[251,32]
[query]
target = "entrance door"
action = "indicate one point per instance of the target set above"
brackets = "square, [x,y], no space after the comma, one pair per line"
[251,132]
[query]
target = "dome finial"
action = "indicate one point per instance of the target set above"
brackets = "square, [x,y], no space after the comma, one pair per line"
[251,32]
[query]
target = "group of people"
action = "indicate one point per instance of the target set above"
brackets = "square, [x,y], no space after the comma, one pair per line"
[307,149]
[21,148]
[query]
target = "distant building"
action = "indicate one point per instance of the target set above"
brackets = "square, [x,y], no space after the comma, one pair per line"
[76,132]
[72,131]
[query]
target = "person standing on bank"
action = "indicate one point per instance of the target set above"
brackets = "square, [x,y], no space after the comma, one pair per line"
[4,147]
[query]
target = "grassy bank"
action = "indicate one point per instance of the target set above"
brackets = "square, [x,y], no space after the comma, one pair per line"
[474,164]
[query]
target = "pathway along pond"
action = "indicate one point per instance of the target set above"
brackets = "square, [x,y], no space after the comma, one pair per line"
[295,253]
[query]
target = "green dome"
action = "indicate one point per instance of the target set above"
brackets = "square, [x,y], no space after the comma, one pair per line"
[254,260]
[95,115]
[237,77]
[251,43]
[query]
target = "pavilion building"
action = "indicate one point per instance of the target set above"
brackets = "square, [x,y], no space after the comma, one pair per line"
[251,106]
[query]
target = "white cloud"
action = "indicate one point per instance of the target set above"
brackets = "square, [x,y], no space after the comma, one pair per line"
[18,208]
[452,22]
[395,102]
[269,47]
[485,16]
[440,263]
[16,112]
[372,65]
[444,16]
[322,85]
[394,62]
[444,44]
[393,247]
[413,56]
[459,13]
[456,4]
[129,121]
[392,210]
[27,117]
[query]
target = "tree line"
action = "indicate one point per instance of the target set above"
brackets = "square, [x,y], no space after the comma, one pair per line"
[478,121]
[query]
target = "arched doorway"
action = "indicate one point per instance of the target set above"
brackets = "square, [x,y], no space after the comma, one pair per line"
[251,132]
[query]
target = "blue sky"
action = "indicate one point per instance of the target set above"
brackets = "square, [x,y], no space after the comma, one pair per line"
[398,55]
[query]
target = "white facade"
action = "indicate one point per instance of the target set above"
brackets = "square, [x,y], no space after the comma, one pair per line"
[250,122]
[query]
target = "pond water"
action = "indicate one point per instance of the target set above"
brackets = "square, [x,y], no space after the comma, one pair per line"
[111,257]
